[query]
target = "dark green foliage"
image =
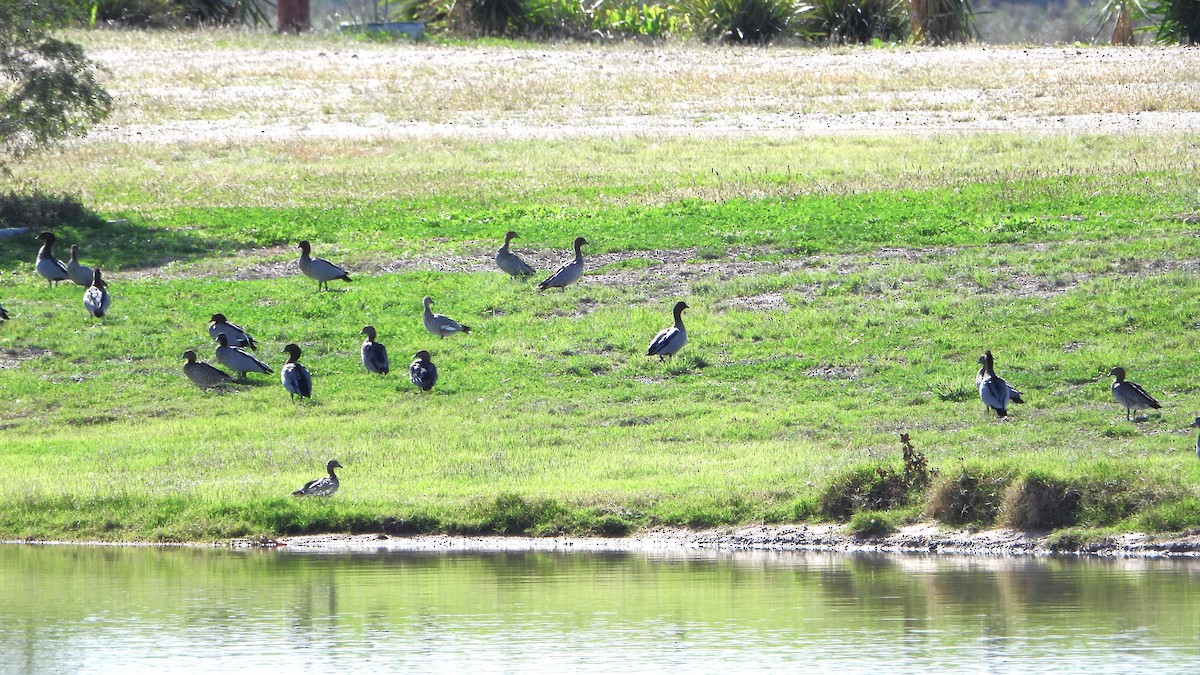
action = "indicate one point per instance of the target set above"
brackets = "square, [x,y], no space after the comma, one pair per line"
[40,211]
[178,13]
[940,22]
[1178,21]
[499,17]
[48,88]
[859,21]
[747,21]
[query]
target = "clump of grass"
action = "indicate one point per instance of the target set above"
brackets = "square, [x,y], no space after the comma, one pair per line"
[1038,502]
[876,488]
[971,497]
[871,524]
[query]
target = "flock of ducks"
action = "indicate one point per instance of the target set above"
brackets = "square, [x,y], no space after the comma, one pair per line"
[234,344]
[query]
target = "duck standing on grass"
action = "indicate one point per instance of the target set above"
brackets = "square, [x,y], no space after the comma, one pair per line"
[510,262]
[993,390]
[439,324]
[3,314]
[1014,396]
[323,486]
[235,334]
[422,372]
[96,298]
[1130,395]
[374,355]
[568,273]
[319,268]
[239,360]
[202,374]
[80,274]
[670,340]
[294,376]
[1196,423]
[51,268]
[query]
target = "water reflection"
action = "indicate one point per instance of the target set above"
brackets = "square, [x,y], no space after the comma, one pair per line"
[97,609]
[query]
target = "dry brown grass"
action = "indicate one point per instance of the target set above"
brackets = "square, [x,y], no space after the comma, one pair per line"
[197,86]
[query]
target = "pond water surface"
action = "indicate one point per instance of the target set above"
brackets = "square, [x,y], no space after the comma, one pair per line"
[82,609]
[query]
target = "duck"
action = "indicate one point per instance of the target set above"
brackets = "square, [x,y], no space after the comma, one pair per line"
[3,314]
[568,273]
[422,372]
[374,355]
[1130,395]
[670,340]
[995,393]
[1196,423]
[319,268]
[96,299]
[439,324]
[1014,396]
[51,268]
[510,262]
[294,376]
[235,334]
[80,274]
[239,360]
[202,374]
[323,486]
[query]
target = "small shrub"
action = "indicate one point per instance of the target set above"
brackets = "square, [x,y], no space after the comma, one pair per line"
[969,498]
[1066,541]
[869,524]
[747,21]
[865,488]
[858,21]
[1037,502]
[876,488]
[940,22]
[513,514]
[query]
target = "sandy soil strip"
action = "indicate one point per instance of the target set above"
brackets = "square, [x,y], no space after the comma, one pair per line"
[923,538]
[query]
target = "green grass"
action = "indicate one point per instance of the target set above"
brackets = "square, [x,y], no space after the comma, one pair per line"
[548,418]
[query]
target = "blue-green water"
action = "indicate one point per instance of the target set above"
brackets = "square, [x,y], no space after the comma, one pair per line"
[79,609]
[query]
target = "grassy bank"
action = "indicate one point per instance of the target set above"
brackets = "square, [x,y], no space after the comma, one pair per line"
[548,418]
[841,290]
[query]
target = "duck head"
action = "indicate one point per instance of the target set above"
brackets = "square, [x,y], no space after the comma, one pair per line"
[369,331]
[293,352]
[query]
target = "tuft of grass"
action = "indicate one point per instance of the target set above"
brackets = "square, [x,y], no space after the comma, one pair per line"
[1038,502]
[871,524]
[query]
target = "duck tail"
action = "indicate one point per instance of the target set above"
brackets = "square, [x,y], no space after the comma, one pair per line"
[467,329]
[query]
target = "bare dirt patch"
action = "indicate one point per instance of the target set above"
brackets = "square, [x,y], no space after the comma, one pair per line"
[11,358]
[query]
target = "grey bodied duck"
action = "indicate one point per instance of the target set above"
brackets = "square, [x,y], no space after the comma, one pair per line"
[323,486]
[319,268]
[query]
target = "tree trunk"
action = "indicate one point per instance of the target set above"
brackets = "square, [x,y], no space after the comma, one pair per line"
[1123,33]
[292,15]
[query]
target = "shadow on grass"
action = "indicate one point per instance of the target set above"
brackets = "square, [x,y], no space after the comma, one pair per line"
[112,244]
